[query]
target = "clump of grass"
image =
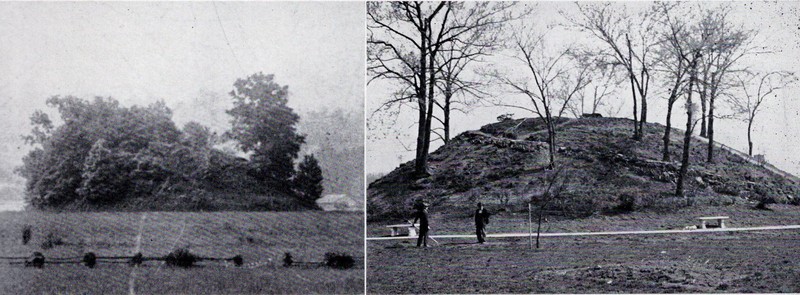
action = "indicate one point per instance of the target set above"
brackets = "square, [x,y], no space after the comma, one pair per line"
[89,259]
[51,240]
[27,232]
[36,260]
[339,261]
[180,257]
[287,259]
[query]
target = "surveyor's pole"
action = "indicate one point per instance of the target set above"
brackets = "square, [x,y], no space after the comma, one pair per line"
[530,228]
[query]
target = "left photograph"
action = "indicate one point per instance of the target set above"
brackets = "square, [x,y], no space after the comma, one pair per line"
[182,148]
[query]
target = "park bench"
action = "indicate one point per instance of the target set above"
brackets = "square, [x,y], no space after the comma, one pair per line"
[720,220]
[412,229]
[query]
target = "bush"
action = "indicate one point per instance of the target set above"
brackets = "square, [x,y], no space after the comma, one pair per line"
[26,234]
[51,240]
[180,257]
[339,261]
[105,175]
[627,203]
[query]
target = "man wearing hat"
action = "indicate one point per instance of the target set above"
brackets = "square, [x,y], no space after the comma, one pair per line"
[481,220]
[421,214]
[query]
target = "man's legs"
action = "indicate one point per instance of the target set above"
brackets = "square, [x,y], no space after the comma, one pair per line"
[481,233]
[423,238]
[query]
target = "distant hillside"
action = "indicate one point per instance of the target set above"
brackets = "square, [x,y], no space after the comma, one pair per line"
[503,164]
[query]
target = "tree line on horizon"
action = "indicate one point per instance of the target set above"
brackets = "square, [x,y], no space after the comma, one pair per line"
[439,57]
[105,155]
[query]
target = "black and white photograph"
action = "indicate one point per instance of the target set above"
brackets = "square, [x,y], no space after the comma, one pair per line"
[182,147]
[582,147]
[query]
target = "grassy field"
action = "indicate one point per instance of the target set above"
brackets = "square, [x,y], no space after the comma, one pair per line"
[719,262]
[261,238]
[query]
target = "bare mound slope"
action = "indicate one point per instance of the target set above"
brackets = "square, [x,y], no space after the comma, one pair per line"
[503,164]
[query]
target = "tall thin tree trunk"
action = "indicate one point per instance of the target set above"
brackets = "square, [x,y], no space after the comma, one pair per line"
[703,91]
[643,96]
[551,140]
[687,136]
[636,131]
[710,131]
[447,96]
[749,137]
[429,118]
[421,160]
[665,152]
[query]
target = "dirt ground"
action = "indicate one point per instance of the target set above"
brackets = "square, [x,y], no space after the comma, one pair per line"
[718,262]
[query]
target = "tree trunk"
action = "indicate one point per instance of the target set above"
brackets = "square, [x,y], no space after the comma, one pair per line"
[636,131]
[749,138]
[710,130]
[703,117]
[703,91]
[551,140]
[643,95]
[421,159]
[429,116]
[447,96]
[665,152]
[687,136]
[643,118]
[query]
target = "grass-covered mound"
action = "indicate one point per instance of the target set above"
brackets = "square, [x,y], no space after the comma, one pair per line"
[605,171]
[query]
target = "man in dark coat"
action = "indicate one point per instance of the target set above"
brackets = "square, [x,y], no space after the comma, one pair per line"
[481,220]
[421,215]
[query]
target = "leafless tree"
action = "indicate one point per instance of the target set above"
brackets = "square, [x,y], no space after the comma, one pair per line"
[673,65]
[688,45]
[551,81]
[756,88]
[404,40]
[726,44]
[615,28]
[555,184]
[459,88]
[604,82]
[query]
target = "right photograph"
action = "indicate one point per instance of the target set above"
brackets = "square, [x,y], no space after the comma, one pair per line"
[582,147]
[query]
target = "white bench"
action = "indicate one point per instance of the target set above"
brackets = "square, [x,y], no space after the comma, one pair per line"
[720,220]
[412,229]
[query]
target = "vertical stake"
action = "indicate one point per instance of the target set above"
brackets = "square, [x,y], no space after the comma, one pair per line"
[530,228]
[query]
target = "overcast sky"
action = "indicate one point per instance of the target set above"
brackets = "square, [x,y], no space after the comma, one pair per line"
[188,54]
[776,129]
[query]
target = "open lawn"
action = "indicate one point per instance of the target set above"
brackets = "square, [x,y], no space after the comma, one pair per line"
[261,238]
[763,261]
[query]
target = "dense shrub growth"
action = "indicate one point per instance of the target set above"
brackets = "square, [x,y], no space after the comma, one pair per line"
[104,155]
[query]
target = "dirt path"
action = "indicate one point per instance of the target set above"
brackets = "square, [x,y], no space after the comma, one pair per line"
[604,233]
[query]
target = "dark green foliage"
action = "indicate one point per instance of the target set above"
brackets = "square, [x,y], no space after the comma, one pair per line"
[339,261]
[308,183]
[264,125]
